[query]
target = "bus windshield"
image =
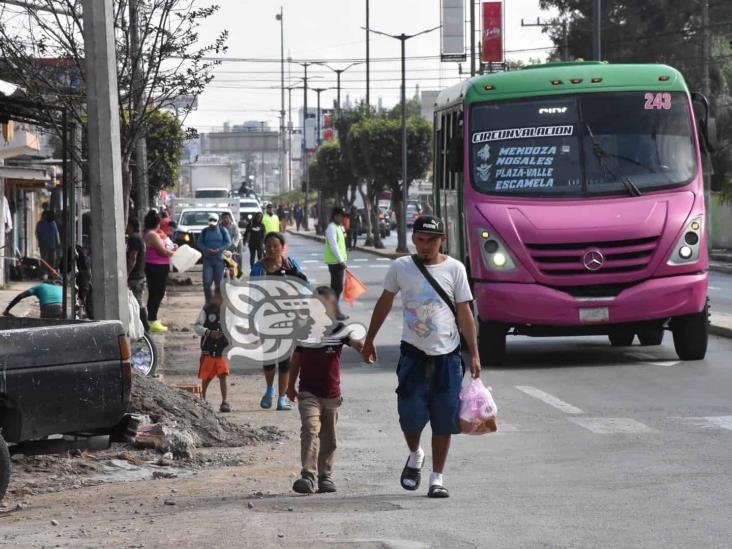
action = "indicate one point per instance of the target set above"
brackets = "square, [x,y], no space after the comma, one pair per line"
[582,144]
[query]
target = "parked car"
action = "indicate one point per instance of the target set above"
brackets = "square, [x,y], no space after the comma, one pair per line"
[61,377]
[384,228]
[414,210]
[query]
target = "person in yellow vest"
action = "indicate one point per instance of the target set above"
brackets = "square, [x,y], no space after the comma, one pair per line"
[271,221]
[336,254]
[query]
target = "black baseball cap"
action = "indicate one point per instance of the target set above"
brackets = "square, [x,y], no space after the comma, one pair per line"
[337,211]
[429,224]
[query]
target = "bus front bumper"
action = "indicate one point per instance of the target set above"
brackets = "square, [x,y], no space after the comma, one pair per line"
[527,304]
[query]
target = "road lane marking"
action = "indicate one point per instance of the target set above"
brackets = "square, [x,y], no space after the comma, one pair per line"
[383,259]
[666,364]
[714,288]
[707,422]
[612,425]
[309,261]
[551,400]
[361,259]
[379,266]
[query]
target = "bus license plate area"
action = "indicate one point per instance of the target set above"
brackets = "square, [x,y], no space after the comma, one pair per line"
[594,315]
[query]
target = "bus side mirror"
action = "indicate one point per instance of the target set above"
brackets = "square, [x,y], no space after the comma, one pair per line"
[455,155]
[707,125]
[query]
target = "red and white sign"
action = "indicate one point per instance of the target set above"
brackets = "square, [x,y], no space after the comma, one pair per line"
[492,32]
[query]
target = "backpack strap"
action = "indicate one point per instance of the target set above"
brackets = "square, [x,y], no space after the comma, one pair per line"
[435,285]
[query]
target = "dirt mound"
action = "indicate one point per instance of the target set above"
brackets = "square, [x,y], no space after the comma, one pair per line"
[191,414]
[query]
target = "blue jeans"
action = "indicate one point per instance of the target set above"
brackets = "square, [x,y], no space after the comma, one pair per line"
[213,273]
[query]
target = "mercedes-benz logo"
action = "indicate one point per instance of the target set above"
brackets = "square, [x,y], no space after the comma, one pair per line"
[593,260]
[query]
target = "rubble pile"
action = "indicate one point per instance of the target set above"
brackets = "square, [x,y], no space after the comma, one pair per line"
[186,421]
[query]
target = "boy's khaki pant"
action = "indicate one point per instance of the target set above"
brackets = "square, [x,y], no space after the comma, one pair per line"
[318,441]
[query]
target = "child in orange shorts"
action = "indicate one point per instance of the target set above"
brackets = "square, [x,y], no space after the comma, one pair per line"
[213,363]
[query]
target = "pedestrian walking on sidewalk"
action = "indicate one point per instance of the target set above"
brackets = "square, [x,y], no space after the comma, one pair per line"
[335,254]
[136,266]
[298,214]
[213,363]
[254,238]
[353,229]
[270,220]
[318,365]
[235,236]
[436,298]
[276,263]
[49,241]
[158,251]
[213,241]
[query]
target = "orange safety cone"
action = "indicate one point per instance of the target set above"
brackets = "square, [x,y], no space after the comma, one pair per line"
[353,288]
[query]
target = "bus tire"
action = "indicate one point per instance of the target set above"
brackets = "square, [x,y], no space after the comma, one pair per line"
[651,336]
[4,467]
[621,339]
[691,333]
[492,343]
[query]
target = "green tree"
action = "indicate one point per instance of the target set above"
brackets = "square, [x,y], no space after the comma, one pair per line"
[377,157]
[165,139]
[663,31]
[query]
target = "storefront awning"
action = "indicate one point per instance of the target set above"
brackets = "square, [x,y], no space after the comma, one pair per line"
[31,178]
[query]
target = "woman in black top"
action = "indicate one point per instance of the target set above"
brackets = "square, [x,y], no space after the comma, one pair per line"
[254,236]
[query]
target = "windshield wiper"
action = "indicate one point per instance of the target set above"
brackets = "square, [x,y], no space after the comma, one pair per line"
[602,156]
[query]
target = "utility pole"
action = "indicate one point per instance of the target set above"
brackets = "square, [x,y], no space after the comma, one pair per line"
[306,171]
[706,49]
[597,30]
[368,57]
[105,164]
[283,141]
[402,236]
[471,3]
[561,24]
[138,91]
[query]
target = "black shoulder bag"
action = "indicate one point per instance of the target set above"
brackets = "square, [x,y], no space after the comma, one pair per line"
[435,285]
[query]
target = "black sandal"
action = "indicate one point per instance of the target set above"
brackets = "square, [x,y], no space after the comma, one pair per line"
[437,491]
[410,473]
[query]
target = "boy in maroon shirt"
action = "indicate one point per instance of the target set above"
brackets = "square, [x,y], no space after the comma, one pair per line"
[319,398]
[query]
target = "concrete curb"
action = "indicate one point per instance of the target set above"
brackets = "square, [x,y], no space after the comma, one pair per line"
[364,249]
[722,331]
[719,267]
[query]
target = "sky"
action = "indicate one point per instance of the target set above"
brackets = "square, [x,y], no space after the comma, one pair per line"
[331,30]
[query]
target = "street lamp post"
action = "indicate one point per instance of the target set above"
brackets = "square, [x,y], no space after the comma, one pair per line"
[318,140]
[402,236]
[338,82]
[283,143]
[306,171]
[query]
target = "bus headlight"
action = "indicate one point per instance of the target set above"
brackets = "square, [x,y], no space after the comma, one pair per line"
[495,253]
[688,248]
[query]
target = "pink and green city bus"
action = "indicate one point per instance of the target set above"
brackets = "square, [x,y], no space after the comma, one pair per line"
[573,193]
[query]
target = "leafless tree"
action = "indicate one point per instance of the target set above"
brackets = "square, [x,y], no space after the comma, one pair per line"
[42,50]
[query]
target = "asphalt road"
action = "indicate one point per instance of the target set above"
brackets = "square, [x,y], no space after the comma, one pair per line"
[599,447]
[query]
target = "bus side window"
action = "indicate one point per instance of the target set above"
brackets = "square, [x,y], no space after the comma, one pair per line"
[455,149]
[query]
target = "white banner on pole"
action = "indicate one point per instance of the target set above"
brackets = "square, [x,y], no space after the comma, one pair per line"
[452,39]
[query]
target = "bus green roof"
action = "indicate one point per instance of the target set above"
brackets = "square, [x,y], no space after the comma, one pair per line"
[563,78]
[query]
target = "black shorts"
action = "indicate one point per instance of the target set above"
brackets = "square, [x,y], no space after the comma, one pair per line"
[283,367]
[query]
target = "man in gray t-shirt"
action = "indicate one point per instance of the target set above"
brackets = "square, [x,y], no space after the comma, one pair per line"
[430,369]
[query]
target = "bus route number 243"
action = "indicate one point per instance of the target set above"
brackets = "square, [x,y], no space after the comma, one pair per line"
[657,101]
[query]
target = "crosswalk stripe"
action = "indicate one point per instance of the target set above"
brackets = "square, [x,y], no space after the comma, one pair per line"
[708,422]
[612,425]
[551,400]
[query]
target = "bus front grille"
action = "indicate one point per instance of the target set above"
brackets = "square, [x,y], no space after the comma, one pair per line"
[620,256]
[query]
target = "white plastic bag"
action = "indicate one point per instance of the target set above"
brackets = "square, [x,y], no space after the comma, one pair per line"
[135,329]
[184,258]
[478,411]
